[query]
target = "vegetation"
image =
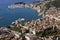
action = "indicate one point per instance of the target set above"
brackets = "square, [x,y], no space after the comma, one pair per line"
[48,5]
[16,28]
[49,32]
[23,38]
[55,3]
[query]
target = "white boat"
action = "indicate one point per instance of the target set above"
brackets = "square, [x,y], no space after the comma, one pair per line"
[22,19]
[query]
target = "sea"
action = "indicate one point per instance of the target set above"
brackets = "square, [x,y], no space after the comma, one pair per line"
[7,16]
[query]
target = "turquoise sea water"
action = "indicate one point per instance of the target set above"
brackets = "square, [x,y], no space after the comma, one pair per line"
[7,16]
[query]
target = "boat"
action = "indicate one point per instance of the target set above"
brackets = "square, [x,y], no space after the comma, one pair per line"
[21,19]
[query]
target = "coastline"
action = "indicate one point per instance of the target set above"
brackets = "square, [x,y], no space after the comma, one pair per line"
[35,6]
[45,28]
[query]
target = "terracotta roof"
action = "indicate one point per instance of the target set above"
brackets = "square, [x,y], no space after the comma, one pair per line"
[23,29]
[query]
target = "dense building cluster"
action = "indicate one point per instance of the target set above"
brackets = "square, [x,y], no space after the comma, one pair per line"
[31,28]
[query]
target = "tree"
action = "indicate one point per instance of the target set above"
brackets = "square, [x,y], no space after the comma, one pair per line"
[23,38]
